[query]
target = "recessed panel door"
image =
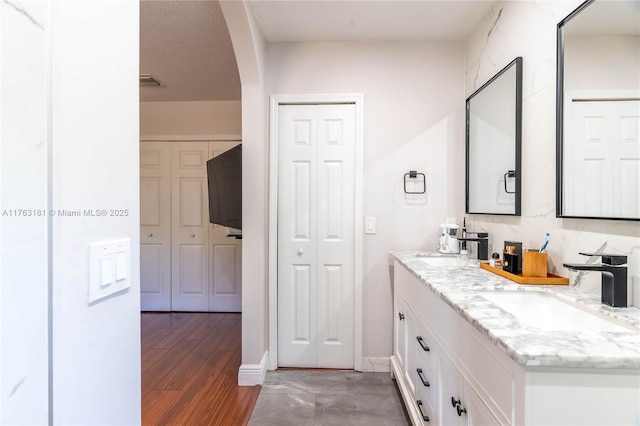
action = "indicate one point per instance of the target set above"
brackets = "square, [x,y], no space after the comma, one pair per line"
[155,226]
[225,253]
[603,160]
[316,162]
[190,227]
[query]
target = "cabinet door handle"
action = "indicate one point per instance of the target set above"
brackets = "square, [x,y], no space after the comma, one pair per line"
[401,316]
[458,406]
[149,235]
[460,410]
[424,379]
[423,344]
[424,416]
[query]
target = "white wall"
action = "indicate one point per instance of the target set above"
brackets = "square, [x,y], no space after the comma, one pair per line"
[249,46]
[602,62]
[413,120]
[215,118]
[24,289]
[75,140]
[96,348]
[528,29]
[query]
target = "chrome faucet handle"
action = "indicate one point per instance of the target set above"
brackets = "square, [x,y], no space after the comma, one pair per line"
[609,259]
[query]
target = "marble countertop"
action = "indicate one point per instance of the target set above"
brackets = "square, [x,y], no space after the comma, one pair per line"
[527,345]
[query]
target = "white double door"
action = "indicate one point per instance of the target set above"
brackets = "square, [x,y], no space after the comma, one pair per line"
[186,263]
[316,202]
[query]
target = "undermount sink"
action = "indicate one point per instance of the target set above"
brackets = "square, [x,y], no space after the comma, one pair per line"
[444,261]
[547,312]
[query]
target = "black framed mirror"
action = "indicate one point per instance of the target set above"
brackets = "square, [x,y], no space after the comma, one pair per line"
[598,112]
[494,144]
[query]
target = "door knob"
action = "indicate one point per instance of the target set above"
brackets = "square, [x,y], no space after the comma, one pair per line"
[300,252]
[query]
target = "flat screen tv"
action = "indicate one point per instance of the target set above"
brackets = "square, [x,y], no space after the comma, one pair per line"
[224,175]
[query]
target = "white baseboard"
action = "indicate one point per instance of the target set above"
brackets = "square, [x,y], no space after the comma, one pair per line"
[253,374]
[376,365]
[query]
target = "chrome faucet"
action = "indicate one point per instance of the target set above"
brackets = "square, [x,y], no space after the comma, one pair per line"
[614,277]
[483,244]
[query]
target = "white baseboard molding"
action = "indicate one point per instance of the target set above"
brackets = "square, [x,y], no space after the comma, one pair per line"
[376,364]
[253,374]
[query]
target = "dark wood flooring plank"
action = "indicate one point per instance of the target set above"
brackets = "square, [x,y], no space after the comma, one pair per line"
[179,333]
[151,356]
[155,404]
[195,381]
[150,340]
[232,340]
[165,365]
[221,400]
[200,332]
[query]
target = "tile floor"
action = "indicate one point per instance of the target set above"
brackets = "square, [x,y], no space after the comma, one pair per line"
[317,397]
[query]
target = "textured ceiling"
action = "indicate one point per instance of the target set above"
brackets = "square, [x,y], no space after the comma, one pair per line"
[186,45]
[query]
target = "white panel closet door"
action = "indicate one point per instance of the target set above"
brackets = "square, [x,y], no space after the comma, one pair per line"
[155,226]
[316,182]
[604,163]
[225,253]
[190,227]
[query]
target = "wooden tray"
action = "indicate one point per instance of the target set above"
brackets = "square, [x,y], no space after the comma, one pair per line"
[550,280]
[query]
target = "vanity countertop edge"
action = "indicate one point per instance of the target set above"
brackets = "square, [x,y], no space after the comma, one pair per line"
[528,346]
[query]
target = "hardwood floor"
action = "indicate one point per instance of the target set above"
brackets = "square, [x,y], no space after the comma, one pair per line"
[190,367]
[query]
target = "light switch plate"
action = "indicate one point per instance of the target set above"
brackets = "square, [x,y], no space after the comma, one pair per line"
[109,268]
[370,225]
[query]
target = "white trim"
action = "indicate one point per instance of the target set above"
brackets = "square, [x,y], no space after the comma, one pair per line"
[275,101]
[152,138]
[253,374]
[401,381]
[601,94]
[376,364]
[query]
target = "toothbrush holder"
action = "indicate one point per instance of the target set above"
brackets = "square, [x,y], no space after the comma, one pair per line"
[534,264]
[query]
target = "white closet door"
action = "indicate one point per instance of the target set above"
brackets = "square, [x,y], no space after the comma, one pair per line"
[225,273]
[155,226]
[335,236]
[316,150]
[190,227]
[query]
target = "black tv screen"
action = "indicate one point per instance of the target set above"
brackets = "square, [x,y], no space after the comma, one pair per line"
[224,175]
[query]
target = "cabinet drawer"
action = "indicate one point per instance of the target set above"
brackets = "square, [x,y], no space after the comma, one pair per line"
[427,413]
[425,384]
[425,346]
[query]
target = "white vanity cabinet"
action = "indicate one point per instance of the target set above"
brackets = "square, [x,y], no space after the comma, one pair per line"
[427,377]
[439,355]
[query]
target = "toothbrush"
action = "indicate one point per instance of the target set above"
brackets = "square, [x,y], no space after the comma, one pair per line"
[546,241]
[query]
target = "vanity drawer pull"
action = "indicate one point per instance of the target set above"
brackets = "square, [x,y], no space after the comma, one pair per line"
[424,416]
[458,406]
[423,344]
[424,379]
